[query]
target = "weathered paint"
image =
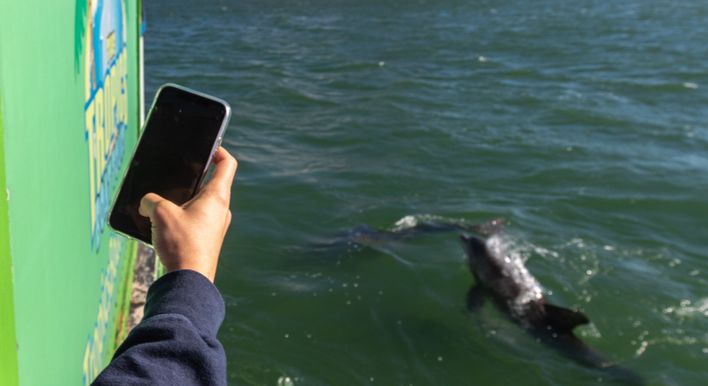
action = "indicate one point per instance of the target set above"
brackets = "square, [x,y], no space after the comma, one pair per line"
[70,109]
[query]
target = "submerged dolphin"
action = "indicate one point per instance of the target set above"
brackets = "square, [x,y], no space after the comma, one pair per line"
[406,228]
[506,280]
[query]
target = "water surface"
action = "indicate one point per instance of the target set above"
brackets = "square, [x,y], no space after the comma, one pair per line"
[583,123]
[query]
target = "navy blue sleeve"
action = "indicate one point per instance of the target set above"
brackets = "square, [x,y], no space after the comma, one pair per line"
[175,343]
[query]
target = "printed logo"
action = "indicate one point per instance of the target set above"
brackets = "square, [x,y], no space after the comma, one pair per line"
[106,105]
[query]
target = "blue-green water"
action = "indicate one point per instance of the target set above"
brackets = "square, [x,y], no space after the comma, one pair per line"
[584,123]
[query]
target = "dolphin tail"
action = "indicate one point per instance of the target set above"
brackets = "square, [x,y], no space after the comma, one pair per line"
[625,375]
[562,321]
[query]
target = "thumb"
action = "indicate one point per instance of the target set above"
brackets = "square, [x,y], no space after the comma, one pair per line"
[150,202]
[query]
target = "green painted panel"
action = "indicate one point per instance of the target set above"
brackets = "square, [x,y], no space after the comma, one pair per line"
[70,89]
[8,352]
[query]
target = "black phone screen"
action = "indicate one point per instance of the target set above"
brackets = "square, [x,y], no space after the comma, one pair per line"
[171,157]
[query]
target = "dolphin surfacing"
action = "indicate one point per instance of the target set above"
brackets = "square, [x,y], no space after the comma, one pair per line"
[505,279]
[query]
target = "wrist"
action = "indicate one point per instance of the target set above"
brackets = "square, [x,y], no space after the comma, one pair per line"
[187,265]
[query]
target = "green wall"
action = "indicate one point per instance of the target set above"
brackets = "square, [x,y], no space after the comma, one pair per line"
[69,99]
[8,354]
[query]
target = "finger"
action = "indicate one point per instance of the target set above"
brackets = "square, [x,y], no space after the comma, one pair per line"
[225,166]
[149,203]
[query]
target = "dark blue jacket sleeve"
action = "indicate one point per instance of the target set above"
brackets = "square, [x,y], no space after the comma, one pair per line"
[175,343]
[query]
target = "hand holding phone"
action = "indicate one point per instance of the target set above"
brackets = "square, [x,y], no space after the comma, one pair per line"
[183,131]
[190,236]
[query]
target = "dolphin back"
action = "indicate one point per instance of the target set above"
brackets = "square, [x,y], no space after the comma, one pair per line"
[490,228]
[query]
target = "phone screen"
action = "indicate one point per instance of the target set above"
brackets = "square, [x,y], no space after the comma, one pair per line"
[171,157]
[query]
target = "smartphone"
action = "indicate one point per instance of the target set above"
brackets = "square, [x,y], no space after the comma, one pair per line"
[183,130]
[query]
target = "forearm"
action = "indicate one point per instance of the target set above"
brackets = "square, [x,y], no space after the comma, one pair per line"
[176,342]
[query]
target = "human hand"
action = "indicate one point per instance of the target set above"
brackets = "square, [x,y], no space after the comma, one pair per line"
[190,236]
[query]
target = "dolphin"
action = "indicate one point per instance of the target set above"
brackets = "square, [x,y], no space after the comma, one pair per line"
[505,279]
[406,228]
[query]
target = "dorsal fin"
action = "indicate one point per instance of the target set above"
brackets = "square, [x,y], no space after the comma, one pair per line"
[490,228]
[562,319]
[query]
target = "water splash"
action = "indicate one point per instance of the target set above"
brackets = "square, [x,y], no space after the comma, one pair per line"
[413,220]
